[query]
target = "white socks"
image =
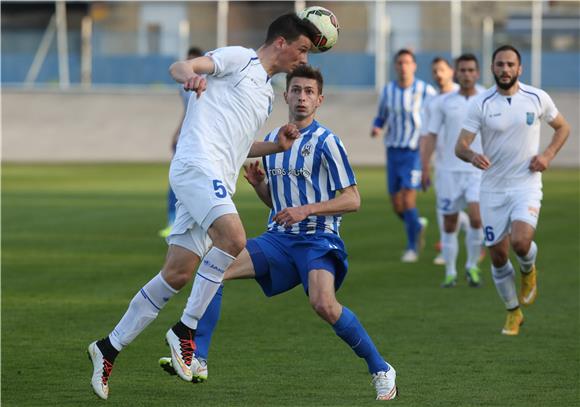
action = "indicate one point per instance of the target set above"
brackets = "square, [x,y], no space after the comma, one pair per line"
[143,309]
[529,259]
[504,279]
[210,275]
[473,242]
[449,249]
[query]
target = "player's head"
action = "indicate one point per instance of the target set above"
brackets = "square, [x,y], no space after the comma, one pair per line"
[467,71]
[291,39]
[506,66]
[441,71]
[405,64]
[194,52]
[303,91]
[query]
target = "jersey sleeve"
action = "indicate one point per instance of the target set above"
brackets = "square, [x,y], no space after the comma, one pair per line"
[336,160]
[228,60]
[435,117]
[383,112]
[549,110]
[472,122]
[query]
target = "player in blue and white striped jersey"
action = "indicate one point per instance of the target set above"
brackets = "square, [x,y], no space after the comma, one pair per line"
[308,188]
[401,109]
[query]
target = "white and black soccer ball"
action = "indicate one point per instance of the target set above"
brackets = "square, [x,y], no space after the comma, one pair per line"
[327,25]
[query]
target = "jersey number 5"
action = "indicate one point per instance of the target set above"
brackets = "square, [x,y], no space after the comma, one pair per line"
[220,190]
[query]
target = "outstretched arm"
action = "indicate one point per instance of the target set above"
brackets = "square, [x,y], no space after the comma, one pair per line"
[465,153]
[286,136]
[347,201]
[542,161]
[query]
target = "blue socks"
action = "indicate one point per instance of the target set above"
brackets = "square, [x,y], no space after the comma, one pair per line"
[207,324]
[350,330]
[412,227]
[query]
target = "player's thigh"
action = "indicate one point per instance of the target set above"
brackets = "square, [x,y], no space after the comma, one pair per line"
[227,231]
[474,214]
[179,266]
[495,216]
[521,236]
[241,268]
[321,286]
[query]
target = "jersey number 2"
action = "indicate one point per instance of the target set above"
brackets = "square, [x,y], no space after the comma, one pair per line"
[220,190]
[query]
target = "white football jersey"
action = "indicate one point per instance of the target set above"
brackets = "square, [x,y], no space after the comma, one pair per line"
[510,134]
[446,121]
[430,106]
[221,124]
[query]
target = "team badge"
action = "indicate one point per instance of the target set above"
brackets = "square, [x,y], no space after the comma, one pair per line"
[306,150]
[529,118]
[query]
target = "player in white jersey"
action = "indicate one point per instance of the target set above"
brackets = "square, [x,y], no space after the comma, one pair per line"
[192,52]
[401,111]
[508,118]
[216,137]
[308,188]
[457,183]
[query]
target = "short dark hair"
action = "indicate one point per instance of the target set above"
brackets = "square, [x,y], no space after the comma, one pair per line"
[506,47]
[404,51]
[194,52]
[436,60]
[290,27]
[306,71]
[466,57]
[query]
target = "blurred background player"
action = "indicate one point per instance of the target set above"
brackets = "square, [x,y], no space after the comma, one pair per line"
[308,189]
[457,183]
[184,95]
[508,118]
[400,109]
[216,137]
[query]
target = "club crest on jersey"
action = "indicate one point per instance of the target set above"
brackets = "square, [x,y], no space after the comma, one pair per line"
[306,150]
[529,118]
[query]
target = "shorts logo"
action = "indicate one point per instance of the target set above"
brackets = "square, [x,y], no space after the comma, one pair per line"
[529,118]
[533,211]
[306,150]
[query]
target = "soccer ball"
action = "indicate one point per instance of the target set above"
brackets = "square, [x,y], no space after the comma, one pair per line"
[327,25]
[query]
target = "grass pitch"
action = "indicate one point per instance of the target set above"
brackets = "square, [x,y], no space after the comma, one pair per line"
[78,241]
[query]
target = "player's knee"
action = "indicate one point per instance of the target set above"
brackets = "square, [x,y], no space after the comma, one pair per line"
[326,309]
[521,246]
[234,245]
[177,275]
[498,258]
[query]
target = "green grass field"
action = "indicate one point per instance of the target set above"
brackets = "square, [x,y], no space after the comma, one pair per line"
[78,241]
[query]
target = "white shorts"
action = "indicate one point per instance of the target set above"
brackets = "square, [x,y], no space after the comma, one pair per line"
[455,189]
[500,209]
[201,198]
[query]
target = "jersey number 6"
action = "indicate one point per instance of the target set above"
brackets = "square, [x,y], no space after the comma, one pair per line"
[220,190]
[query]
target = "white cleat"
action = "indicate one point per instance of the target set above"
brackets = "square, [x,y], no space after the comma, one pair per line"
[385,385]
[410,256]
[181,354]
[439,260]
[101,371]
[199,370]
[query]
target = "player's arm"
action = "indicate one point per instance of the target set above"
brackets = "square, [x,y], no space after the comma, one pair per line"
[381,118]
[191,71]
[426,149]
[464,152]
[541,161]
[257,179]
[347,201]
[284,140]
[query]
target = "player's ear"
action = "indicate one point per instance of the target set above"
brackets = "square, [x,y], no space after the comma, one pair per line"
[520,70]
[320,99]
[286,96]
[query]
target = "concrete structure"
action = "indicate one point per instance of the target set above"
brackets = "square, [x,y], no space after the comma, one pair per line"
[74,126]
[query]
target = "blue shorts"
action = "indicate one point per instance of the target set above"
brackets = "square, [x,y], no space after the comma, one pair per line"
[283,260]
[403,169]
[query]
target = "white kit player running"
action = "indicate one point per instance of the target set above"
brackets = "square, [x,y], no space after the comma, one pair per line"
[217,136]
[508,118]
[457,183]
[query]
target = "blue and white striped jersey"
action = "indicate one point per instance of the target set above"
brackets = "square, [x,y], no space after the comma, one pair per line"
[401,110]
[311,171]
